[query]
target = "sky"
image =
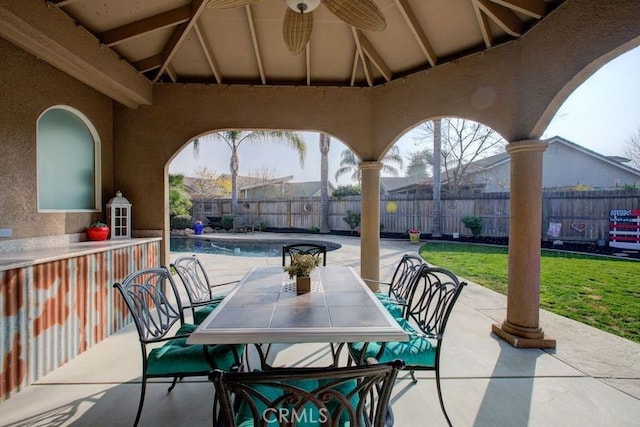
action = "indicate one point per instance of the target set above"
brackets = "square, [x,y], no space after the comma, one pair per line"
[601,115]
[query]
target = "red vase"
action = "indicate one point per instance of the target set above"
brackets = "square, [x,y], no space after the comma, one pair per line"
[97,233]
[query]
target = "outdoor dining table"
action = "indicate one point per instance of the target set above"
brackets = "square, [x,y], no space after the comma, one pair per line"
[265,308]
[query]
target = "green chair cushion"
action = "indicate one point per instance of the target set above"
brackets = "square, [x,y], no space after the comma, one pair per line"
[186,329]
[391,304]
[394,310]
[201,313]
[418,351]
[176,356]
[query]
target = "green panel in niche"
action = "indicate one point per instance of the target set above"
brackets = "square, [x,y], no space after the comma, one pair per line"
[66,162]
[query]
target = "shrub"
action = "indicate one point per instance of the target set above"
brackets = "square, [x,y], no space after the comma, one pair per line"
[180,222]
[352,219]
[314,229]
[227,221]
[346,190]
[473,223]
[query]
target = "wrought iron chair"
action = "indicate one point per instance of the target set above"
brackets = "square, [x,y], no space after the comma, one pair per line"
[403,281]
[347,396]
[425,320]
[153,301]
[200,291]
[304,248]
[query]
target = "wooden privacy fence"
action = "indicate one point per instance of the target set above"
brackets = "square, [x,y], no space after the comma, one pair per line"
[582,215]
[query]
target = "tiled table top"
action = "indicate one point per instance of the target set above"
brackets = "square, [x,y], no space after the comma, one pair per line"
[262,309]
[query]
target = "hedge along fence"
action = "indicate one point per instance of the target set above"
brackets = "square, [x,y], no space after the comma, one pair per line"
[583,215]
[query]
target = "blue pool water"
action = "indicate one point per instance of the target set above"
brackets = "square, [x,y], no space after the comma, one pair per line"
[249,248]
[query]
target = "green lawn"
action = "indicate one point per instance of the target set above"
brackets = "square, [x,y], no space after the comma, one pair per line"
[598,291]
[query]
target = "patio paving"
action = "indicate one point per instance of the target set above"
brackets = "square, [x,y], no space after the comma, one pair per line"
[591,379]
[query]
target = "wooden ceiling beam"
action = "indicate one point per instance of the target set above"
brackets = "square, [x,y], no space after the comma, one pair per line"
[416,30]
[354,69]
[374,56]
[485,28]
[362,56]
[533,8]
[307,54]
[170,18]
[73,50]
[504,17]
[256,46]
[171,72]
[62,3]
[179,36]
[148,64]
[206,49]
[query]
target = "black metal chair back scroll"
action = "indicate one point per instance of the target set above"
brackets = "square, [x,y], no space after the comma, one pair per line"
[395,294]
[200,291]
[351,396]
[425,318]
[303,248]
[153,302]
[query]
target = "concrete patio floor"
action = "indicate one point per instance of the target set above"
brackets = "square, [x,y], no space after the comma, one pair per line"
[591,379]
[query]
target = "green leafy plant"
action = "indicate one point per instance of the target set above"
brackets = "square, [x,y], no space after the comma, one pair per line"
[227,221]
[630,187]
[302,265]
[352,219]
[474,224]
[346,190]
[98,224]
[314,229]
[263,225]
[180,222]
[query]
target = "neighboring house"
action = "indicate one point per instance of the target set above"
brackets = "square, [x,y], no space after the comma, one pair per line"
[207,188]
[251,188]
[396,185]
[565,166]
[306,189]
[283,188]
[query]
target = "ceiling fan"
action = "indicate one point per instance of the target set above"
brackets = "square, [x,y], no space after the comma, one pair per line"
[298,19]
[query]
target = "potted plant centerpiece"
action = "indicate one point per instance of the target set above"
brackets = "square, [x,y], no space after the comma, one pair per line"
[301,267]
[98,231]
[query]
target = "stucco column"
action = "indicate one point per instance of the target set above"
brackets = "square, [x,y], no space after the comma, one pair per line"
[370,223]
[521,328]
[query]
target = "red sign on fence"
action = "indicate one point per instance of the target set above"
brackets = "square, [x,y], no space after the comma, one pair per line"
[624,228]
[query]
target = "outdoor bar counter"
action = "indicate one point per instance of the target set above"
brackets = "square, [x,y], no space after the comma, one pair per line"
[57,301]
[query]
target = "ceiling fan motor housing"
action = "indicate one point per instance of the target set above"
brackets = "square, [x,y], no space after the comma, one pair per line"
[303,6]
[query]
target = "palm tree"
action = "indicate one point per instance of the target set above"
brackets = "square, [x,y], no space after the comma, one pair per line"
[325,143]
[233,139]
[349,163]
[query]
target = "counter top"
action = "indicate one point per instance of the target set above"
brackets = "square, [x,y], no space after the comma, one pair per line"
[18,259]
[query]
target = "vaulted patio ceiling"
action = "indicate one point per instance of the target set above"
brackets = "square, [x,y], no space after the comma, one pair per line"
[185,41]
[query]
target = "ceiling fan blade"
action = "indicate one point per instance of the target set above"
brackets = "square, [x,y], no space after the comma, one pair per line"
[227,4]
[362,14]
[296,30]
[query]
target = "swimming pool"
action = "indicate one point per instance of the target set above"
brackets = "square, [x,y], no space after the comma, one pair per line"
[238,247]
